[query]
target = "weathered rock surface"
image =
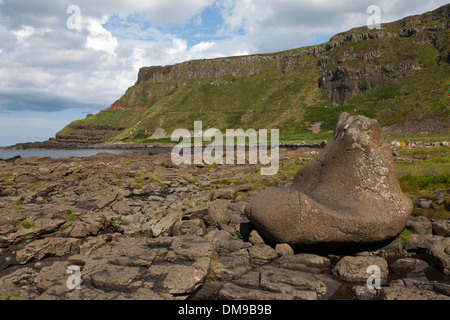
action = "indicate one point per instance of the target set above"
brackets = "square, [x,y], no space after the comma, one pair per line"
[439,253]
[441,228]
[356,269]
[409,265]
[271,283]
[220,213]
[175,265]
[138,227]
[410,290]
[342,83]
[364,293]
[283,249]
[420,243]
[420,225]
[305,262]
[348,195]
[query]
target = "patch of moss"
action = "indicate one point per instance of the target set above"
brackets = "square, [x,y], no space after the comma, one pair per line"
[70,217]
[27,224]
[143,234]
[404,236]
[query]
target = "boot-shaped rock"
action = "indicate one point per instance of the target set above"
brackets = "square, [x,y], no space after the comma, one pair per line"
[348,195]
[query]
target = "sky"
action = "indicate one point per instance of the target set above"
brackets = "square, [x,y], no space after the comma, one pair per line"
[61,60]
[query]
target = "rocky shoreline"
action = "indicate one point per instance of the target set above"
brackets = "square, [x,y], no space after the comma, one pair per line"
[56,145]
[139,227]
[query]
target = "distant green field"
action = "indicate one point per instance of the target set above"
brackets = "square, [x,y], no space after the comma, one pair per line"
[427,168]
[415,137]
[425,176]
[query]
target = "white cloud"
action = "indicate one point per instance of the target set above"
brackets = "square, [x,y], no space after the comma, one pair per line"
[99,38]
[203,46]
[276,25]
[161,13]
[39,54]
[178,46]
[24,33]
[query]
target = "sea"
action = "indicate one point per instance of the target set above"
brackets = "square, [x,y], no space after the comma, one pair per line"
[81,153]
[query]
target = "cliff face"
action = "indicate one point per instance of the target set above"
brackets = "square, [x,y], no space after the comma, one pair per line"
[88,134]
[292,89]
[216,68]
[342,83]
[338,80]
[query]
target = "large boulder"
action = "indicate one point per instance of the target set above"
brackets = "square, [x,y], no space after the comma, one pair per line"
[439,253]
[348,195]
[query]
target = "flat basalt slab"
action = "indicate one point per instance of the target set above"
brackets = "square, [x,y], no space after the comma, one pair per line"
[348,195]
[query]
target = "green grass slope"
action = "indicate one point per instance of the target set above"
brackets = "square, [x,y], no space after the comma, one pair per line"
[260,94]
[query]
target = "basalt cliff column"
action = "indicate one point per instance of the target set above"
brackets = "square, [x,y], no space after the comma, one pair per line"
[349,195]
